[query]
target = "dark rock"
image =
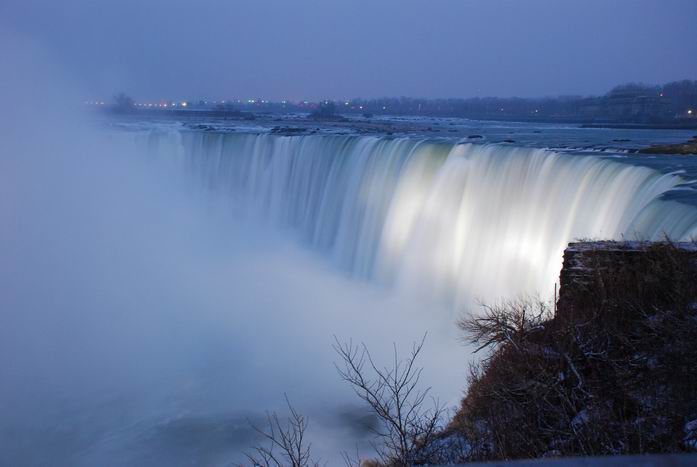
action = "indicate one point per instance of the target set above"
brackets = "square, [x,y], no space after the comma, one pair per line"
[327,117]
[475,137]
[202,127]
[690,147]
[288,131]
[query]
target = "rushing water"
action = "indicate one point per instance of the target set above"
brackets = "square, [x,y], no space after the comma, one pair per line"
[452,221]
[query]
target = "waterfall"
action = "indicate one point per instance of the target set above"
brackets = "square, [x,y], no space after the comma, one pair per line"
[452,221]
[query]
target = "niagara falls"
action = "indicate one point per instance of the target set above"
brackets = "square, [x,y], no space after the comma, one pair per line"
[457,220]
[371,234]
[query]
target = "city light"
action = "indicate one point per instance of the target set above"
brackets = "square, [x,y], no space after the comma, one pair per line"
[689,112]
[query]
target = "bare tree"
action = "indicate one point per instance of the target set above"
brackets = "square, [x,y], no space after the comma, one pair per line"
[507,323]
[286,442]
[409,422]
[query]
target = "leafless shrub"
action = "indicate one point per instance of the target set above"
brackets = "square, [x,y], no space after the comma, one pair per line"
[410,421]
[509,323]
[286,446]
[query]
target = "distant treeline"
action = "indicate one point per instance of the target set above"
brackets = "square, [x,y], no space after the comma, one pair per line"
[627,103]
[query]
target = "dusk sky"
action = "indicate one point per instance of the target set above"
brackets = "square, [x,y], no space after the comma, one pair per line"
[309,49]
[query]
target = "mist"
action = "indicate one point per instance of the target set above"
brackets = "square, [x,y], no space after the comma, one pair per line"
[142,322]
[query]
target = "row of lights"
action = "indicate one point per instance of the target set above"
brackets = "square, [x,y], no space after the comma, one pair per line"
[137,104]
[249,101]
[165,105]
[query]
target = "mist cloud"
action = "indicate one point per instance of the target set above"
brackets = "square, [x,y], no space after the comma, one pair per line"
[141,320]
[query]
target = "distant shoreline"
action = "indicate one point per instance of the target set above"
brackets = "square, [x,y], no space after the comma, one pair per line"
[249,116]
[644,126]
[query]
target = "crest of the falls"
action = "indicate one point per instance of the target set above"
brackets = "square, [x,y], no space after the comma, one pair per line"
[456,221]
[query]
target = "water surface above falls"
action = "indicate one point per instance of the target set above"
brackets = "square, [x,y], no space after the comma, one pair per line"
[440,217]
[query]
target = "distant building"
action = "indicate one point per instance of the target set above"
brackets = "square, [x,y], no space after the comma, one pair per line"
[632,103]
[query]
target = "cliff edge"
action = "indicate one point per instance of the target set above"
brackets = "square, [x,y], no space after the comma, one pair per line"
[612,371]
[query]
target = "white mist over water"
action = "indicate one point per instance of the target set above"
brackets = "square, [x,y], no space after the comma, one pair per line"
[141,322]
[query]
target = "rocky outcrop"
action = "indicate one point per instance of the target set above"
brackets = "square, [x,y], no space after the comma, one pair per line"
[584,261]
[689,147]
[612,372]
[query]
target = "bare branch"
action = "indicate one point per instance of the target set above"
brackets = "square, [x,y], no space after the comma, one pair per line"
[286,442]
[408,424]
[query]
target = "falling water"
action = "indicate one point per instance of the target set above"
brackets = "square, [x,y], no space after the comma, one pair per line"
[451,221]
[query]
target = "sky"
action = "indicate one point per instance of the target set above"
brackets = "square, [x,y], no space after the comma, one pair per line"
[317,49]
